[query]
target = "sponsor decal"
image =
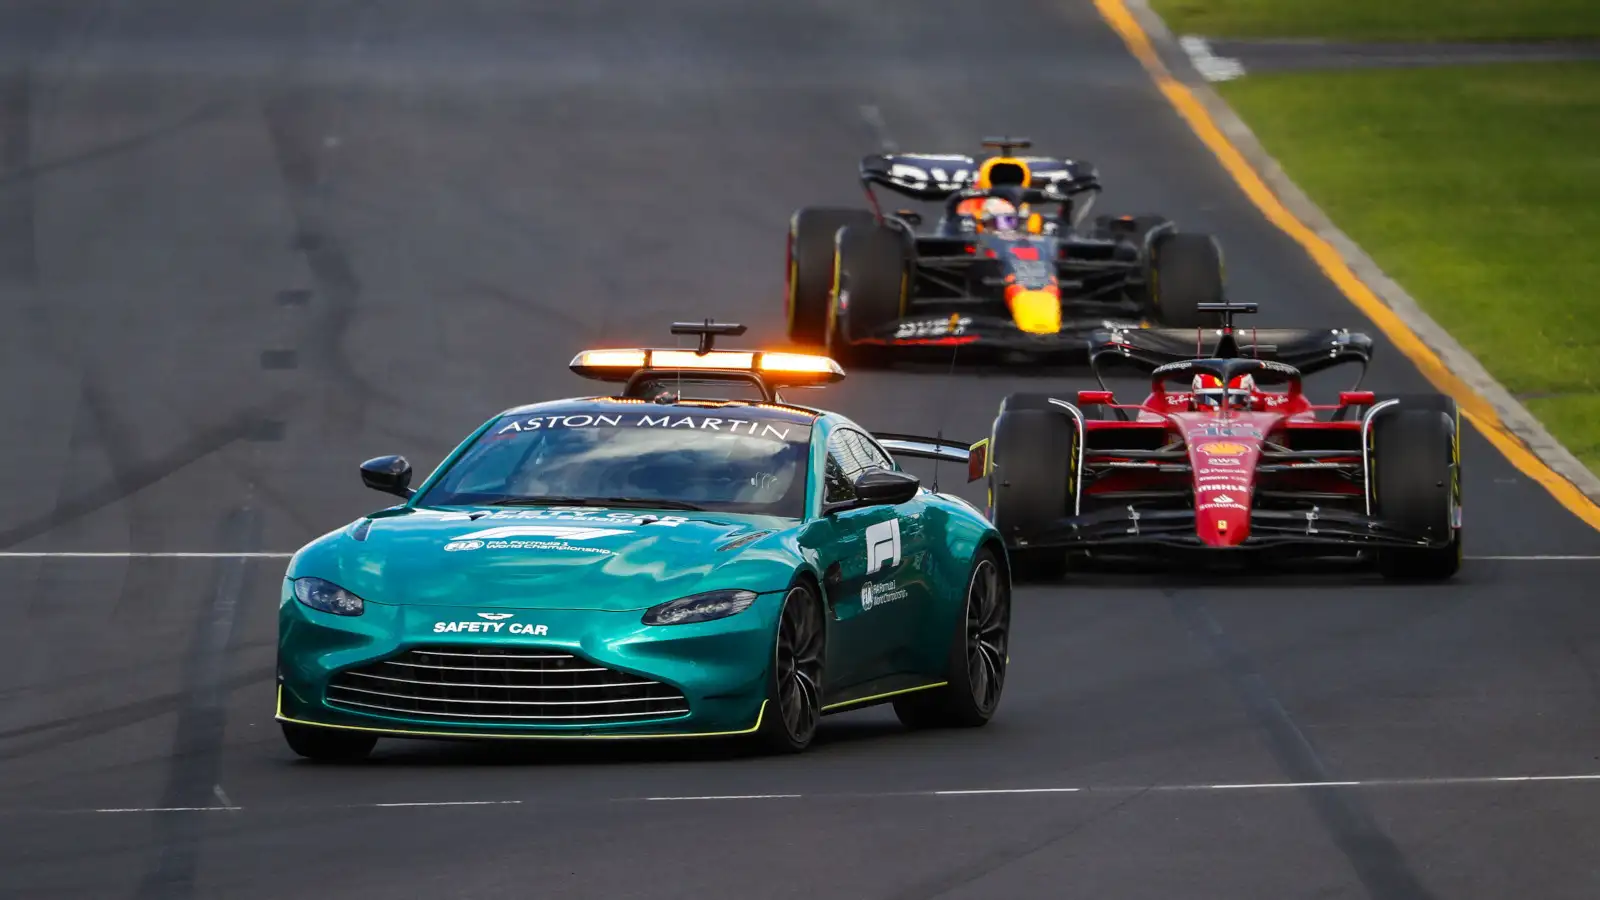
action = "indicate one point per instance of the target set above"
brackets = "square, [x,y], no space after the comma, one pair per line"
[723,424]
[1222,506]
[1223,448]
[1225,461]
[496,627]
[877,594]
[931,328]
[883,545]
[595,514]
[1230,486]
[1231,477]
[552,537]
[1213,430]
[1279,367]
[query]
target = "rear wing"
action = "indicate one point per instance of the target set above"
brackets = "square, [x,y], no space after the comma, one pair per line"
[973,456]
[938,176]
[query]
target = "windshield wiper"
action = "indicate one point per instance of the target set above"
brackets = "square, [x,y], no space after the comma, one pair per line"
[621,502]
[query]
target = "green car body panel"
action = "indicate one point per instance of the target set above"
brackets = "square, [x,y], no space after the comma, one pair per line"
[466,578]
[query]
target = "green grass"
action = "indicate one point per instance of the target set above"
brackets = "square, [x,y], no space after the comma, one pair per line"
[1375,20]
[1478,189]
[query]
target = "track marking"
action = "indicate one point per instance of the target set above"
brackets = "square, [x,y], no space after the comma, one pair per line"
[1210,66]
[448,803]
[1060,790]
[1200,787]
[874,119]
[1474,406]
[733,797]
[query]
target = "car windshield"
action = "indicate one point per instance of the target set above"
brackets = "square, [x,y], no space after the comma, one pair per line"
[732,460]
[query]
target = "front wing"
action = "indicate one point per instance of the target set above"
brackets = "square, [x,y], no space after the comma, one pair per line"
[1269,529]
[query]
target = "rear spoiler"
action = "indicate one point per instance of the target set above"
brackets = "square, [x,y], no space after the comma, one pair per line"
[973,456]
[1308,349]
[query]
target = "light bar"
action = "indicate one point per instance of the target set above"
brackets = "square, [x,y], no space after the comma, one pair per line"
[775,368]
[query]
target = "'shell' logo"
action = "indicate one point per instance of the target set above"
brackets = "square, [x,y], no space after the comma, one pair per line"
[1223,448]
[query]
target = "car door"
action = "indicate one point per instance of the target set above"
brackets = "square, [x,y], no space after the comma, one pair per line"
[906,597]
[869,561]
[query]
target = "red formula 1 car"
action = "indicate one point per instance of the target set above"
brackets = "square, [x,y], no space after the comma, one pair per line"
[1227,455]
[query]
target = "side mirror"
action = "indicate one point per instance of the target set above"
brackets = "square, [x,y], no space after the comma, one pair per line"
[1094,398]
[978,460]
[389,474]
[881,487]
[910,215]
[1357,398]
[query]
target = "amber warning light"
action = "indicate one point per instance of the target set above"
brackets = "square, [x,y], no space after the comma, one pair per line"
[790,369]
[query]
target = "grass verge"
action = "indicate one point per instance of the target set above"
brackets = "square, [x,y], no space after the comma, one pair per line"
[1478,188]
[1384,20]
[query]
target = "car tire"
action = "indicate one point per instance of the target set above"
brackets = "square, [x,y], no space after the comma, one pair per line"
[794,680]
[975,672]
[1414,469]
[869,288]
[1033,459]
[809,277]
[1184,271]
[328,744]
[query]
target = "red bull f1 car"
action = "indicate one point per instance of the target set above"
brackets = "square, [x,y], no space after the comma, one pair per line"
[1009,265]
[1227,455]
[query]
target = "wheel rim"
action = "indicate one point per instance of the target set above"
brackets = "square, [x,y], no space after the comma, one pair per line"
[799,665]
[988,635]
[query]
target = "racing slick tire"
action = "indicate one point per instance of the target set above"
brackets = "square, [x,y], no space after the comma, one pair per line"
[809,278]
[1184,271]
[975,670]
[794,680]
[1034,458]
[328,744]
[1415,478]
[869,289]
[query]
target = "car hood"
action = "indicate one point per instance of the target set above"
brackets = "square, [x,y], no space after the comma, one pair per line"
[549,559]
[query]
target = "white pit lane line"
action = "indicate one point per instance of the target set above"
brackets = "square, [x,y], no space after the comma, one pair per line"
[1198,788]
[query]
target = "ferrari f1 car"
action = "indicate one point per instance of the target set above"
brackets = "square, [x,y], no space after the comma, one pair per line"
[655,563]
[861,281]
[1226,455]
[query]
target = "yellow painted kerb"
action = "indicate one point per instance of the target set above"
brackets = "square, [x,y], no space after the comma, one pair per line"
[1473,405]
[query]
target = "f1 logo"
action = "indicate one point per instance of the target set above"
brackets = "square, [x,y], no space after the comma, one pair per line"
[883,545]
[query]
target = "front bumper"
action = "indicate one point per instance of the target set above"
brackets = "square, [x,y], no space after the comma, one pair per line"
[380,672]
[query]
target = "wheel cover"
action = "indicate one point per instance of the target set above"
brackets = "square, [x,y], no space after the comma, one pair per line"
[799,665]
[988,633]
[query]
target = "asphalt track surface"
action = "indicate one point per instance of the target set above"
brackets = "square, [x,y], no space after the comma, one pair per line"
[244,246]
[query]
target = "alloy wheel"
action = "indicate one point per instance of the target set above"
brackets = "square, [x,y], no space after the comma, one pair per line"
[988,630]
[799,665]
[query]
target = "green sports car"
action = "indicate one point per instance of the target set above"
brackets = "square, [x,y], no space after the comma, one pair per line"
[653,564]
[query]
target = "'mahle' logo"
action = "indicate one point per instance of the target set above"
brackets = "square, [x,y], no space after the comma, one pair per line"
[883,545]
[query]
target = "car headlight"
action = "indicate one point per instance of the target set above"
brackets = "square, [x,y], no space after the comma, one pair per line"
[700,608]
[327,597]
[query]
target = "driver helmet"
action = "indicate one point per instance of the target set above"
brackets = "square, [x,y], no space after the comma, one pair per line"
[1210,394]
[999,214]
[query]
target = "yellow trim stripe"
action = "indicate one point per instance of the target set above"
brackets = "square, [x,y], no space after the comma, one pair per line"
[1473,405]
[858,702]
[406,732]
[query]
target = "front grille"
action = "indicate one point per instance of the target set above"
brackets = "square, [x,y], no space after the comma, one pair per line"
[502,685]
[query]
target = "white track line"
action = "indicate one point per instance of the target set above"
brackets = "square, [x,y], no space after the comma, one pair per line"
[874,119]
[733,797]
[1369,783]
[447,803]
[1536,558]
